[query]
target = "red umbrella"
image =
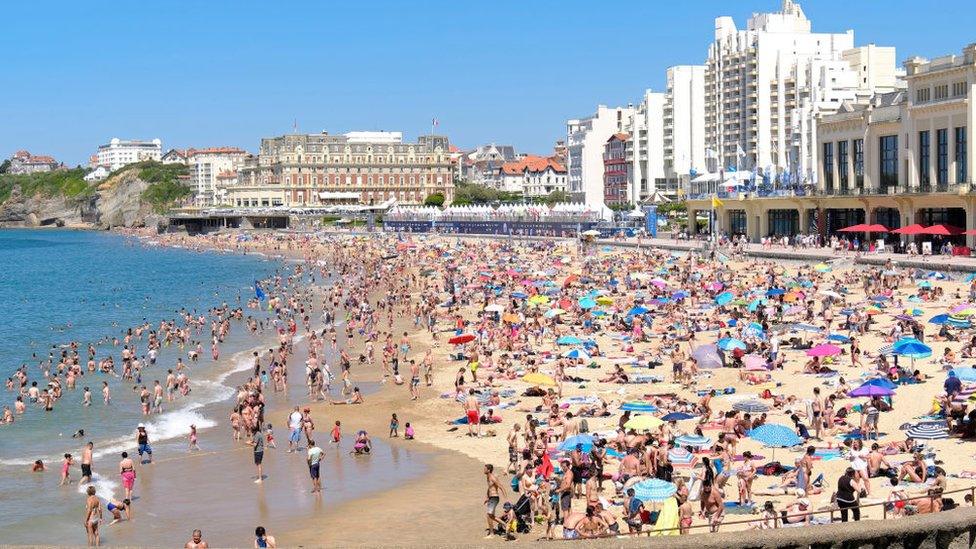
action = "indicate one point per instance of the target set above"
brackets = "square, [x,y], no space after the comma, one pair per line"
[943,230]
[859,228]
[911,229]
[970,231]
[458,340]
[876,228]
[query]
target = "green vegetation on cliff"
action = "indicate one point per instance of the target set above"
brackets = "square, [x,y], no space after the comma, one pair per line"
[67,183]
[165,187]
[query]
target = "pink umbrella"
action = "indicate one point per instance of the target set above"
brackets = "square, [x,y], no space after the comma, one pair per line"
[824,349]
[754,363]
[715,286]
[962,307]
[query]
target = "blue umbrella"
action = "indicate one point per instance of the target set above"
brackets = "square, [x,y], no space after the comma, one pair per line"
[911,347]
[519,295]
[958,322]
[638,407]
[724,298]
[881,382]
[569,340]
[570,443]
[576,353]
[939,319]
[840,338]
[869,390]
[695,441]
[638,310]
[679,416]
[773,292]
[654,489]
[755,303]
[970,277]
[680,294]
[731,343]
[774,435]
[967,374]
[587,303]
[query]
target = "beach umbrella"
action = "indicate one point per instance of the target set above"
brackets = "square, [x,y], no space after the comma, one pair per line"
[569,340]
[774,435]
[537,378]
[638,406]
[869,390]
[750,406]
[643,423]
[731,343]
[511,317]
[494,308]
[830,293]
[939,319]
[911,229]
[461,339]
[942,230]
[587,303]
[824,349]
[911,347]
[881,382]
[680,457]
[970,277]
[802,327]
[570,444]
[577,353]
[553,312]
[707,356]
[654,489]
[927,431]
[958,322]
[680,294]
[538,300]
[773,292]
[724,298]
[967,374]
[677,416]
[638,310]
[604,300]
[519,295]
[694,441]
[821,268]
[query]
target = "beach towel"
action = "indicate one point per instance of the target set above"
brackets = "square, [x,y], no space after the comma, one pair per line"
[667,519]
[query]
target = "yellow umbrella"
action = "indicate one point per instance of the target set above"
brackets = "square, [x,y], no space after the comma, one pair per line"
[537,378]
[643,423]
[604,300]
[539,299]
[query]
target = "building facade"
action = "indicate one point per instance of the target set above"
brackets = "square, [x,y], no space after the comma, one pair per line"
[767,85]
[23,162]
[482,165]
[310,170]
[118,153]
[585,141]
[897,158]
[533,176]
[205,167]
[645,152]
[684,125]
[617,175]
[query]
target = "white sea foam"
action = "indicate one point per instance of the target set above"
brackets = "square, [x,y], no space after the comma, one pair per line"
[104,487]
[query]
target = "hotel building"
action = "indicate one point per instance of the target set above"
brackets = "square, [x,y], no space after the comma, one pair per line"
[120,152]
[358,167]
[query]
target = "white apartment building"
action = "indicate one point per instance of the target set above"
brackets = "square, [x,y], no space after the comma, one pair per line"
[766,86]
[121,152]
[585,141]
[646,148]
[876,68]
[684,124]
[206,165]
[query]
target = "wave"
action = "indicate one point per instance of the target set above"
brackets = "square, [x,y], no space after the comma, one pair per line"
[104,487]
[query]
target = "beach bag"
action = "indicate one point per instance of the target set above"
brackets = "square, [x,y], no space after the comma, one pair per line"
[584,426]
[515,483]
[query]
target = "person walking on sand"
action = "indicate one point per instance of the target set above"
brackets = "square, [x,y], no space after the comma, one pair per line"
[492,497]
[295,429]
[257,440]
[473,413]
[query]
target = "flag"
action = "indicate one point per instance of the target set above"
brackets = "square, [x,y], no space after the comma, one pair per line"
[716,203]
[258,292]
[433,122]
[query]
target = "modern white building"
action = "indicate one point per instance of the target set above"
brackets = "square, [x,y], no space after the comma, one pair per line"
[876,68]
[121,152]
[645,150]
[684,124]
[205,167]
[585,142]
[767,84]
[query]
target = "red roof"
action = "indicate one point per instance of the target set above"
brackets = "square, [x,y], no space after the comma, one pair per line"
[619,137]
[227,175]
[42,160]
[532,163]
[215,150]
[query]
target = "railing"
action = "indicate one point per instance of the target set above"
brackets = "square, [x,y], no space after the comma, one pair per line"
[780,518]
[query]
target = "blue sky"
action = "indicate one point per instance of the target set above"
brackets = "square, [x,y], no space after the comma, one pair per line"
[209,73]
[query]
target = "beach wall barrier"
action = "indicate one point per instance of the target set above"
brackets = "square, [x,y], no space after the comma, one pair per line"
[955,529]
[497,228]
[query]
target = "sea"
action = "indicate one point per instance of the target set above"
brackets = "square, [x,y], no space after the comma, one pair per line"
[59,286]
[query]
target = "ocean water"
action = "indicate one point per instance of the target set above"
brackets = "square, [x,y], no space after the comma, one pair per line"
[63,286]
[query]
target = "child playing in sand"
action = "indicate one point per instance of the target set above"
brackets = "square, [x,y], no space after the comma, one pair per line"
[337,432]
[269,435]
[408,433]
[394,426]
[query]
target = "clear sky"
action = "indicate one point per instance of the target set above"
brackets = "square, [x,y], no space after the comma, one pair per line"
[212,72]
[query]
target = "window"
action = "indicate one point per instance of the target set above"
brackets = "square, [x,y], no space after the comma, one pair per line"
[961,154]
[959,89]
[922,95]
[942,156]
[859,163]
[889,161]
[842,164]
[828,166]
[941,91]
[924,162]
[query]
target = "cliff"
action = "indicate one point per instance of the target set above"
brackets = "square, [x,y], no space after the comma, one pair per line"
[134,196]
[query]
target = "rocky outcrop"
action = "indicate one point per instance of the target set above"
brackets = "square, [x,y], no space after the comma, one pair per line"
[117,202]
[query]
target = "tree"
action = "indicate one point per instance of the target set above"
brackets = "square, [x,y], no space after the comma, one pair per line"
[436,199]
[556,197]
[5,166]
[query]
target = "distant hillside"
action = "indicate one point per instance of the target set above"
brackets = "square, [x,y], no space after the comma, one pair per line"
[132,196]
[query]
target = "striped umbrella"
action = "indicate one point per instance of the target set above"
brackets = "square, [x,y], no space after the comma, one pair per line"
[928,431]
[695,441]
[680,457]
[750,406]
[637,406]
[774,435]
[654,489]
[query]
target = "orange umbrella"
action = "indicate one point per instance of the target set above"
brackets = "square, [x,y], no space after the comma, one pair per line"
[570,279]
[509,317]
